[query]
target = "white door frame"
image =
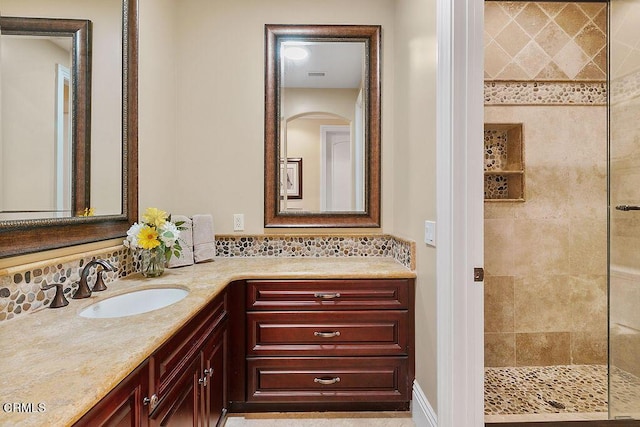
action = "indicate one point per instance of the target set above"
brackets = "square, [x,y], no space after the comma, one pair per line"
[459,155]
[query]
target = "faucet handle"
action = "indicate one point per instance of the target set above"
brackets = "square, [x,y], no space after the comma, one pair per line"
[99,285]
[58,300]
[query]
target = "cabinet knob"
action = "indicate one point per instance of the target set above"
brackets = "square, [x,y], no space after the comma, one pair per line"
[203,381]
[151,401]
[327,381]
[208,372]
[331,334]
[327,295]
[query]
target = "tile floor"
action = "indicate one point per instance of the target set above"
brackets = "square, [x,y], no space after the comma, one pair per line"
[557,393]
[322,419]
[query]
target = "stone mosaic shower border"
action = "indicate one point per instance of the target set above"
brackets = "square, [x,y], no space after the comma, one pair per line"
[20,288]
[498,92]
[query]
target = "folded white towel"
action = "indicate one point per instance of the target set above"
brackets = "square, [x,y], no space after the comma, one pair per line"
[204,246]
[186,242]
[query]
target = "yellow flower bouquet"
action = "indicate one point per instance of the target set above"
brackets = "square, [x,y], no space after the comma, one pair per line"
[158,238]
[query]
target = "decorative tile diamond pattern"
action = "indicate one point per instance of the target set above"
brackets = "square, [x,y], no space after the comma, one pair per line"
[545,41]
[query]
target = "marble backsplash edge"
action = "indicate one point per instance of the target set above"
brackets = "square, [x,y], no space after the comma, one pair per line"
[20,287]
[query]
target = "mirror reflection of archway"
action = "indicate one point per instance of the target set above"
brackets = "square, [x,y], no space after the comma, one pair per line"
[332,159]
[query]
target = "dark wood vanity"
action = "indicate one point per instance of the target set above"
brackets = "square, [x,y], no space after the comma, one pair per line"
[276,345]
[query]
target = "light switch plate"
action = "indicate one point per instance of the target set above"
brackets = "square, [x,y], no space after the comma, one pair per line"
[430,233]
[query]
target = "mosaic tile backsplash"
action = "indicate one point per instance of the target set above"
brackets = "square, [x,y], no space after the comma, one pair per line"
[317,246]
[20,292]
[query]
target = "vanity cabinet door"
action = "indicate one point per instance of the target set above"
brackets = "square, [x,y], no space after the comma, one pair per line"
[188,371]
[182,403]
[124,406]
[168,362]
[214,364]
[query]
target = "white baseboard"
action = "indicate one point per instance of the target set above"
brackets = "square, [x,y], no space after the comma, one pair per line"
[421,411]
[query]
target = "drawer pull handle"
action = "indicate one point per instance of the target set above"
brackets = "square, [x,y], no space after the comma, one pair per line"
[325,295]
[326,381]
[332,334]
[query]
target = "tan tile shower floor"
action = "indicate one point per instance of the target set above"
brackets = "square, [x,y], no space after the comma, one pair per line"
[545,389]
[565,392]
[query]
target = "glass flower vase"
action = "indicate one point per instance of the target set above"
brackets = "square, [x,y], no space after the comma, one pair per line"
[152,262]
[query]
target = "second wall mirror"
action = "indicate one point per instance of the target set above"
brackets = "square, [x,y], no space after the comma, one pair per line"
[322,125]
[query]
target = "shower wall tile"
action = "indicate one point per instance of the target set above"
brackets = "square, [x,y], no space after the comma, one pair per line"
[588,305]
[589,348]
[499,261]
[584,236]
[540,179]
[542,246]
[541,302]
[625,294]
[553,246]
[545,41]
[499,303]
[545,67]
[624,347]
[625,39]
[543,349]
[499,349]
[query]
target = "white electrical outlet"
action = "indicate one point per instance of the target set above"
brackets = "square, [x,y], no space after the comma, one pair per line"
[238,222]
[430,233]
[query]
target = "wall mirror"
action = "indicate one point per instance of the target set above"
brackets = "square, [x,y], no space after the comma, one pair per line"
[45,115]
[103,157]
[322,126]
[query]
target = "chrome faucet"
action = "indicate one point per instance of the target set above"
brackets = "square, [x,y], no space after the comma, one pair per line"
[83,290]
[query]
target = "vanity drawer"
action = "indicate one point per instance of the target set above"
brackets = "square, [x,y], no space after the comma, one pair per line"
[345,294]
[327,333]
[327,379]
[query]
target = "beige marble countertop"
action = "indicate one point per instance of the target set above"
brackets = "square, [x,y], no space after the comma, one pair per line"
[56,365]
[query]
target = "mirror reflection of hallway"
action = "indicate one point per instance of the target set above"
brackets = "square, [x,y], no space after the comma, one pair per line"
[337,170]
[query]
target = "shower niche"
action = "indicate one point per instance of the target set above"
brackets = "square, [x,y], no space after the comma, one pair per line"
[503,162]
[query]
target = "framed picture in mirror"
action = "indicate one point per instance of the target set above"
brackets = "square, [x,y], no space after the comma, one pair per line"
[291,178]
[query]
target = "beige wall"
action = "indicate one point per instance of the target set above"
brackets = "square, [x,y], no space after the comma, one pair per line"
[414,194]
[214,129]
[297,101]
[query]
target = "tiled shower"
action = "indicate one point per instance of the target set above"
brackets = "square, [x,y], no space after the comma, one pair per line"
[546,245]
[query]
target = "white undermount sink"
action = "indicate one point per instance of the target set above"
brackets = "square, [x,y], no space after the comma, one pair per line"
[135,302]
